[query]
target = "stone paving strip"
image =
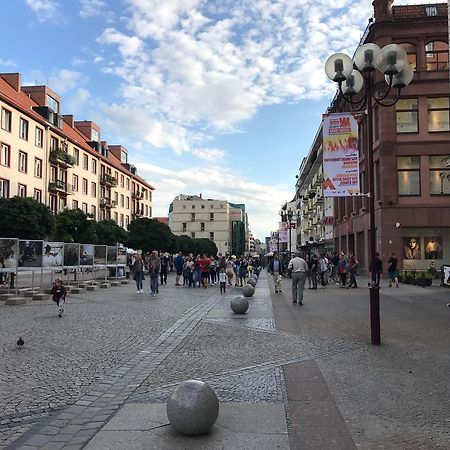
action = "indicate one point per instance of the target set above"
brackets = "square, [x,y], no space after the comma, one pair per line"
[77,424]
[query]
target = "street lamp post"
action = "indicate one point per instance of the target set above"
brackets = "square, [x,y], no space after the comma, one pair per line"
[352,75]
[287,216]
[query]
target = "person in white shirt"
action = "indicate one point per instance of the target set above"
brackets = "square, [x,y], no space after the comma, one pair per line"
[299,267]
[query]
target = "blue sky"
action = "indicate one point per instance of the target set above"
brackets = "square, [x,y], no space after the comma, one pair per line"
[215,97]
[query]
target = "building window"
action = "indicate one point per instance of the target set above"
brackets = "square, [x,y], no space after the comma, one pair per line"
[192,217]
[193,206]
[212,206]
[23,162]
[127,220]
[203,207]
[38,168]
[184,206]
[406,116]
[74,204]
[211,235]
[84,208]
[23,129]
[211,217]
[94,212]
[6,119]
[53,203]
[221,205]
[408,173]
[85,186]
[411,54]
[94,166]
[116,217]
[62,203]
[5,155]
[121,220]
[93,189]
[202,226]
[116,197]
[75,183]
[21,190]
[122,181]
[438,114]
[150,211]
[53,104]
[193,234]
[127,202]
[128,184]
[85,162]
[439,176]
[122,200]
[39,137]
[53,143]
[76,154]
[4,188]
[37,195]
[184,226]
[436,54]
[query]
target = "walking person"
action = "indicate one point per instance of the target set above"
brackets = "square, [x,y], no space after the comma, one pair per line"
[299,267]
[237,272]
[276,269]
[323,267]
[378,269]
[205,262]
[314,269]
[352,268]
[59,295]
[343,269]
[164,268]
[212,271]
[308,272]
[154,267]
[179,264]
[230,271]
[138,273]
[223,281]
[392,270]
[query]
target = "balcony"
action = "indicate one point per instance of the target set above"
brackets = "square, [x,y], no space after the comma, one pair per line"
[137,195]
[137,214]
[59,186]
[61,157]
[108,180]
[106,202]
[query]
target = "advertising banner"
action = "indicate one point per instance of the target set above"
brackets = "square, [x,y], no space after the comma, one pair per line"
[53,254]
[283,232]
[30,254]
[100,255]
[8,255]
[71,255]
[340,155]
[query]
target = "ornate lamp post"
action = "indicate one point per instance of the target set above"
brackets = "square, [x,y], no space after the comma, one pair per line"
[287,216]
[352,75]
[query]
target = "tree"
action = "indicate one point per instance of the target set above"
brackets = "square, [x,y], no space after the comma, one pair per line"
[149,234]
[73,225]
[206,246]
[25,218]
[184,244]
[109,233]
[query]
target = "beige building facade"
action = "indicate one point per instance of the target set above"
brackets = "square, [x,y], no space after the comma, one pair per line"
[194,216]
[61,162]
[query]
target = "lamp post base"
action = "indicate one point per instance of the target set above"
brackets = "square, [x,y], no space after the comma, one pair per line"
[374,293]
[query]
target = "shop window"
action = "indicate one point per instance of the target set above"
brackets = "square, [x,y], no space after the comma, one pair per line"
[406,116]
[438,114]
[439,176]
[408,175]
[436,54]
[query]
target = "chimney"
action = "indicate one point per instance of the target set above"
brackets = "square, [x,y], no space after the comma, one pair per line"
[200,195]
[68,118]
[382,10]
[13,79]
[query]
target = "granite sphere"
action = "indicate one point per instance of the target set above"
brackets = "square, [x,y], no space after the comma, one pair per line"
[255,276]
[251,281]
[192,408]
[248,290]
[239,305]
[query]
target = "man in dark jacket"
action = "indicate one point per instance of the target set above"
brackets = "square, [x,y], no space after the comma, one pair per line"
[276,268]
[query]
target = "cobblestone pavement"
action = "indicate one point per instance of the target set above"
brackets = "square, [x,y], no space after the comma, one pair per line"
[114,347]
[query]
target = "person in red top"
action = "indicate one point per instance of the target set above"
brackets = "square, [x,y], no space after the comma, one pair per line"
[205,262]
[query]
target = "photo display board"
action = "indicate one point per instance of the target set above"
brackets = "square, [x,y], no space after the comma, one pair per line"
[71,255]
[9,250]
[53,254]
[30,254]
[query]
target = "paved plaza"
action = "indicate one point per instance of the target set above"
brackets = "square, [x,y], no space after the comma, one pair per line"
[286,376]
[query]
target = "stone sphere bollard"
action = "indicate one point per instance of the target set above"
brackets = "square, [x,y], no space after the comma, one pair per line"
[239,305]
[248,290]
[192,408]
[251,281]
[255,276]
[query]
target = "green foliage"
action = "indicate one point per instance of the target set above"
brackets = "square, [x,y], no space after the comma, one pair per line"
[186,245]
[25,218]
[109,233]
[149,234]
[73,225]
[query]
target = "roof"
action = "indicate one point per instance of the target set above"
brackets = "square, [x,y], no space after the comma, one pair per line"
[416,11]
[25,105]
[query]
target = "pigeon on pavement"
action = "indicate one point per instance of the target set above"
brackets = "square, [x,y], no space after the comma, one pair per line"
[20,342]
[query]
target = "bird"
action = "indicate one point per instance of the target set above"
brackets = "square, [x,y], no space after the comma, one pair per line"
[20,342]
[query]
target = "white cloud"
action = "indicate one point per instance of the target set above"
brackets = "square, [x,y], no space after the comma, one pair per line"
[92,8]
[45,9]
[7,63]
[209,154]
[77,101]
[65,80]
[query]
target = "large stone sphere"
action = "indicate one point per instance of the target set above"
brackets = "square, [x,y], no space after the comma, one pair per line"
[248,290]
[251,281]
[192,408]
[239,305]
[254,276]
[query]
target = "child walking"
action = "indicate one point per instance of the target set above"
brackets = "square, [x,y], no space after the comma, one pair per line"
[223,281]
[59,295]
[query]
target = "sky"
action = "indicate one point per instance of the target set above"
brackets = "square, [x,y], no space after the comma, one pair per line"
[218,97]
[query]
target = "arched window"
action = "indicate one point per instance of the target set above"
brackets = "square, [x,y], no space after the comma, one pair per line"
[436,54]
[411,52]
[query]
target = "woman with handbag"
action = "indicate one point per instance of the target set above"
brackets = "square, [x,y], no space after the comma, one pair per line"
[138,273]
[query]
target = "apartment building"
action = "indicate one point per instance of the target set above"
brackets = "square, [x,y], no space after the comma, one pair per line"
[194,216]
[62,162]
